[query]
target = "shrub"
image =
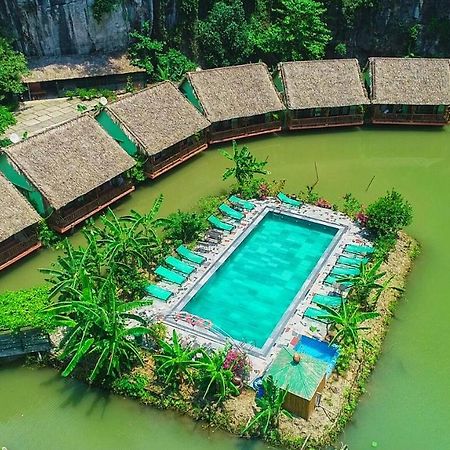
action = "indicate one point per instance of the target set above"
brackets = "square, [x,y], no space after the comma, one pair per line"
[47,236]
[351,206]
[209,205]
[184,226]
[90,93]
[309,195]
[383,246]
[340,49]
[271,188]
[7,119]
[388,215]
[238,362]
[25,308]
[132,385]
[323,203]
[12,66]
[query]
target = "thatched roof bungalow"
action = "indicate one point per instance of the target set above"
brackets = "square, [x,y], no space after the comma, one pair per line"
[160,124]
[18,225]
[76,167]
[412,91]
[328,93]
[52,76]
[239,101]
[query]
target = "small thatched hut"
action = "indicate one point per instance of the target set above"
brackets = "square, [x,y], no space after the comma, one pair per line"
[239,101]
[318,94]
[77,169]
[160,124]
[413,91]
[303,381]
[18,225]
[52,76]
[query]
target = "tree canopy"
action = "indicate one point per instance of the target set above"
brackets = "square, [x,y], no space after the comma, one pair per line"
[12,66]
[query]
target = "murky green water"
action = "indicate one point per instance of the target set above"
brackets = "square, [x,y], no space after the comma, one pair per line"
[407,403]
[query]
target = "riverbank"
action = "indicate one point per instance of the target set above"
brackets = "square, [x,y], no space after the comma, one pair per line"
[339,398]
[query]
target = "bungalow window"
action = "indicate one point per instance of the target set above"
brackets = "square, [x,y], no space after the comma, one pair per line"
[317,112]
[234,123]
[440,109]
[303,113]
[335,111]
[425,109]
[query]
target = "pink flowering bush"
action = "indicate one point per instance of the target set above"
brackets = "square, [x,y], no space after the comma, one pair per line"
[362,218]
[323,203]
[238,362]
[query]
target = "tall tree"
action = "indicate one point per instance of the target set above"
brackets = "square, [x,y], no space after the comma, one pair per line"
[12,66]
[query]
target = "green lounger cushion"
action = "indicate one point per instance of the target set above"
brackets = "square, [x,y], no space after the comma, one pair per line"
[315,313]
[359,249]
[332,301]
[229,211]
[345,271]
[290,201]
[179,265]
[158,292]
[169,275]
[346,261]
[216,222]
[190,255]
[333,279]
[241,202]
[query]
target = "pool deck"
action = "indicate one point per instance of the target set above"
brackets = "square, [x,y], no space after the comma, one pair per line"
[199,331]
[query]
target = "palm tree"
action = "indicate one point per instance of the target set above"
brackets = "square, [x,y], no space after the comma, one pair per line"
[348,321]
[97,331]
[270,409]
[175,360]
[246,165]
[215,380]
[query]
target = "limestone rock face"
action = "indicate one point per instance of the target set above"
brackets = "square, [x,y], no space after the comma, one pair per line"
[62,27]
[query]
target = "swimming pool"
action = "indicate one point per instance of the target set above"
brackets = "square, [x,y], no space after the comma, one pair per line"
[251,291]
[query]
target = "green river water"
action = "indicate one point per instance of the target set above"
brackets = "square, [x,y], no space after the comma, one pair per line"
[407,404]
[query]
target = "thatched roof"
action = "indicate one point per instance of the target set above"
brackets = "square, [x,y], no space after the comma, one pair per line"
[16,213]
[323,84]
[158,117]
[78,66]
[236,91]
[410,81]
[69,160]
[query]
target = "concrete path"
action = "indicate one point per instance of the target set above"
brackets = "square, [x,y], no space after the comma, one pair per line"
[35,116]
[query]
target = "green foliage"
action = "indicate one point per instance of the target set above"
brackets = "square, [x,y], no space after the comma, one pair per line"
[413,35]
[5,142]
[132,385]
[101,8]
[12,66]
[25,308]
[215,381]
[208,205]
[270,408]
[97,333]
[340,49]
[388,215]
[351,206]
[47,236]
[383,246]
[160,62]
[348,322]
[137,172]
[296,32]
[223,37]
[245,165]
[90,93]
[309,195]
[7,119]
[175,360]
[184,226]
[351,7]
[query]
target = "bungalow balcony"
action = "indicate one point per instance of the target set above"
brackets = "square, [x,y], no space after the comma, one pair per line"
[325,121]
[173,156]
[409,118]
[224,131]
[15,248]
[68,217]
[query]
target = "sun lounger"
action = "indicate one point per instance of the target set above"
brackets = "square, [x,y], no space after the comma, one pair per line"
[158,292]
[332,301]
[355,262]
[289,201]
[315,314]
[216,222]
[345,271]
[170,275]
[179,265]
[230,212]
[334,279]
[190,255]
[359,249]
[241,202]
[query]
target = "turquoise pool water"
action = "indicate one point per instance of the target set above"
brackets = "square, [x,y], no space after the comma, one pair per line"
[249,293]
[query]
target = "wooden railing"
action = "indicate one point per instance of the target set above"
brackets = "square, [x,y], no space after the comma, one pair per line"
[184,153]
[268,127]
[63,218]
[399,118]
[12,251]
[330,121]
[26,340]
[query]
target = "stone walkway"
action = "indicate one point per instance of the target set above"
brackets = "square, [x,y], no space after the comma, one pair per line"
[35,116]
